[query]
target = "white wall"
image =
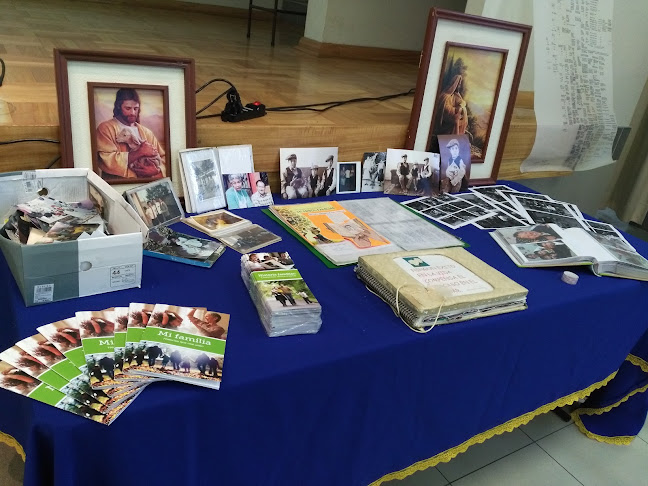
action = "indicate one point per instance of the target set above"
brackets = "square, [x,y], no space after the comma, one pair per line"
[373,23]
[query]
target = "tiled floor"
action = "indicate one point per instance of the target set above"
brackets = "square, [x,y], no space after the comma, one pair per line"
[547,451]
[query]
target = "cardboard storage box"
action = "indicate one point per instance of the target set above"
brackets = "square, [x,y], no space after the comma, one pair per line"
[58,271]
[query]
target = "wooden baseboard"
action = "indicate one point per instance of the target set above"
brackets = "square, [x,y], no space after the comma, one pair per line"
[325,49]
[191,7]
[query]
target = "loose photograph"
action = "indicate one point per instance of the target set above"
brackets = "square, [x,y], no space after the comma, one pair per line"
[260,185]
[373,171]
[411,172]
[249,239]
[215,222]
[455,163]
[156,203]
[307,172]
[130,132]
[348,177]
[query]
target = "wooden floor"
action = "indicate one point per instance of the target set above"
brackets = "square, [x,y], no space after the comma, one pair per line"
[276,76]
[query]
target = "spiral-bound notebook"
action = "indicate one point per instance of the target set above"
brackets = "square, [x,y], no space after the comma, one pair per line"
[440,286]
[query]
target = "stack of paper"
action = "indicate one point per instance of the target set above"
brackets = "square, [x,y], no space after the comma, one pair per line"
[285,303]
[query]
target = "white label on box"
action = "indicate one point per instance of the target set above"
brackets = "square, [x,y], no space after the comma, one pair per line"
[440,271]
[43,293]
[30,182]
[123,275]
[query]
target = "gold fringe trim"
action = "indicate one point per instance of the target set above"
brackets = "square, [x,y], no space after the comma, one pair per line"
[11,442]
[449,454]
[637,361]
[620,439]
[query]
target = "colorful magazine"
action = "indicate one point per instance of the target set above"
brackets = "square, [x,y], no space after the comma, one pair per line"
[333,231]
[184,344]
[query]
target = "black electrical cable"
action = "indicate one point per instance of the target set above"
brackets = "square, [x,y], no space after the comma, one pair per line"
[333,104]
[2,70]
[21,140]
[214,81]
[209,104]
[53,161]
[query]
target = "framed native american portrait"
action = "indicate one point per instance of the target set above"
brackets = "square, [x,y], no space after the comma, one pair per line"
[125,116]
[468,81]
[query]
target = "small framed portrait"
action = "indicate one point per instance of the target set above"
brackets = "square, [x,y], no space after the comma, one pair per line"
[349,177]
[202,179]
[373,171]
[125,116]
[307,172]
[156,203]
[455,163]
[468,79]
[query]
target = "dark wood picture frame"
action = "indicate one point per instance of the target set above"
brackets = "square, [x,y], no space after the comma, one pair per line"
[78,67]
[448,27]
[165,131]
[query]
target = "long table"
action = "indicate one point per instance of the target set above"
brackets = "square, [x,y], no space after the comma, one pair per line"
[362,401]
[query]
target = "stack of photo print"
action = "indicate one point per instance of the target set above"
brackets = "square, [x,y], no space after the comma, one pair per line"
[96,363]
[284,302]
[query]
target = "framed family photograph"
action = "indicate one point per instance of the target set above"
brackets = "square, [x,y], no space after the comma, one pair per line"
[156,203]
[125,116]
[202,180]
[468,80]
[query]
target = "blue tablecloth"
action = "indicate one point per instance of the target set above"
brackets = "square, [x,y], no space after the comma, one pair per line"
[363,398]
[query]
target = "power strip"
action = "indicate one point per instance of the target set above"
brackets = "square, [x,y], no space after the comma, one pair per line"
[235,111]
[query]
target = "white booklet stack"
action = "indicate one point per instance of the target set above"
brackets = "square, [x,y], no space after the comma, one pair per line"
[285,303]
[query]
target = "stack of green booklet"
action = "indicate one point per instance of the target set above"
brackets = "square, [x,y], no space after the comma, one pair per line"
[285,303]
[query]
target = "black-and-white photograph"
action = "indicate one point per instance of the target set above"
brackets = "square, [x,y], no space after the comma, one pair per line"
[449,210]
[412,173]
[348,177]
[203,179]
[307,172]
[562,221]
[527,203]
[455,162]
[373,171]
[500,220]
[156,203]
[494,193]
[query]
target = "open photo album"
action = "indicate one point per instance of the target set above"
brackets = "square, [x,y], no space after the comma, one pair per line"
[545,245]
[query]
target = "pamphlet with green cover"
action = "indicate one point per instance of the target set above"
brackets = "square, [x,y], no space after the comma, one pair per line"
[184,344]
[139,315]
[97,330]
[17,381]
